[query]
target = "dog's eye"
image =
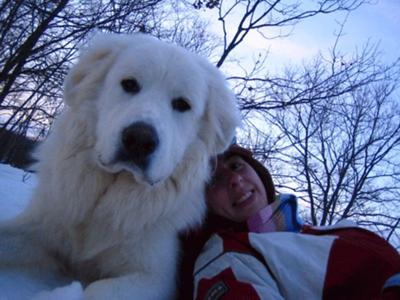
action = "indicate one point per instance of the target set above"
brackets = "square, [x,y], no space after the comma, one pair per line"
[130,85]
[180,104]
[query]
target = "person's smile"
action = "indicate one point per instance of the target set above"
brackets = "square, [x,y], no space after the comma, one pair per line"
[246,199]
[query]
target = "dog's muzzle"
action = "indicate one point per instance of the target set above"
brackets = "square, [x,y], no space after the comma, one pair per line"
[138,142]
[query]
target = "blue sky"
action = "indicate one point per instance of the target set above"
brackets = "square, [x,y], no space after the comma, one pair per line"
[378,22]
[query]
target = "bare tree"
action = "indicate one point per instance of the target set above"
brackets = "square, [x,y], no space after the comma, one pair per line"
[37,32]
[271,19]
[334,138]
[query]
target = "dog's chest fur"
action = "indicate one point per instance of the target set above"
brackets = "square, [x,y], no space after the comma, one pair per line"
[120,224]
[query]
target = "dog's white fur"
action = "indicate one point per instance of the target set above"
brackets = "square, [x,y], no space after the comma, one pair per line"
[109,223]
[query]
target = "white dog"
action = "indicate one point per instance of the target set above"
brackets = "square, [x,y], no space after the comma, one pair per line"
[124,168]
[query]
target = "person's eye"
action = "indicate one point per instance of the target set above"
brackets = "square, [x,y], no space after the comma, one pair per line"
[235,165]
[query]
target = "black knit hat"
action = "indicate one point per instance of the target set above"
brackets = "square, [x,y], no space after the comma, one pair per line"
[262,171]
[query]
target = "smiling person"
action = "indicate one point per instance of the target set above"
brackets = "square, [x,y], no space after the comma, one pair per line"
[253,245]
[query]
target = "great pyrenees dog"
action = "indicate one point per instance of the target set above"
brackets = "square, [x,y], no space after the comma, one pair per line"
[124,168]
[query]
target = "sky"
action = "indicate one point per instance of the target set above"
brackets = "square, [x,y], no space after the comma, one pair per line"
[378,22]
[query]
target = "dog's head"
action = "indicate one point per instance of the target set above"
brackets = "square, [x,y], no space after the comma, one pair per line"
[153,101]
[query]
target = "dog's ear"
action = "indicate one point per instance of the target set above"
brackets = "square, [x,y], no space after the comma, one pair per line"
[82,81]
[222,114]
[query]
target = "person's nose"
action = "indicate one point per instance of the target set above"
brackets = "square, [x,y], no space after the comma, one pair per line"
[234,180]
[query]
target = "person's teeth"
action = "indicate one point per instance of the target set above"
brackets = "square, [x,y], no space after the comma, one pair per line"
[244,198]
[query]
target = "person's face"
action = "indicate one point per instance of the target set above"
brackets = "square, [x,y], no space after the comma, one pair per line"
[236,191]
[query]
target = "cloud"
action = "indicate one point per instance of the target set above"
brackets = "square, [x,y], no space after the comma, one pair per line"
[281,49]
[292,49]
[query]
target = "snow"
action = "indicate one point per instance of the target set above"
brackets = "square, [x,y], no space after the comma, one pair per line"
[16,188]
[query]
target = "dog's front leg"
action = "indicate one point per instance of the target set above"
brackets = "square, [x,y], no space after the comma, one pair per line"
[20,246]
[26,265]
[131,287]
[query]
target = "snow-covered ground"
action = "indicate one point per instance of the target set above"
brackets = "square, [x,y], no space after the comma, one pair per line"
[16,187]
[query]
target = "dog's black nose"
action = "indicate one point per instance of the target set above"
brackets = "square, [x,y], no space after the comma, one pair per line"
[139,141]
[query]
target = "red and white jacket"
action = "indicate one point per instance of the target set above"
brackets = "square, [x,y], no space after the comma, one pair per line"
[333,262]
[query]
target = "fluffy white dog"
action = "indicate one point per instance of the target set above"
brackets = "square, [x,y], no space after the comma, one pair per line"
[124,169]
